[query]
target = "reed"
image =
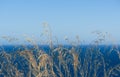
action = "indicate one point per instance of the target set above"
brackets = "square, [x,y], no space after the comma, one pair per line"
[61,61]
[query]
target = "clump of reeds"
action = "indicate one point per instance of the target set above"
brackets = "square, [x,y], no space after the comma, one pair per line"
[72,60]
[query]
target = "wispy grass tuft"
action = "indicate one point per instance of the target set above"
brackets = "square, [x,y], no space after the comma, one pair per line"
[74,60]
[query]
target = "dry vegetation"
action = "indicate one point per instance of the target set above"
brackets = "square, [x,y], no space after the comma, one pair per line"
[61,61]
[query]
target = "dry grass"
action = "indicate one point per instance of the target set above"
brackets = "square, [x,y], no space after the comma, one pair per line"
[60,61]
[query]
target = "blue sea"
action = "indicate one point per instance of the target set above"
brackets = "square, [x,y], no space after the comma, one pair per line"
[110,55]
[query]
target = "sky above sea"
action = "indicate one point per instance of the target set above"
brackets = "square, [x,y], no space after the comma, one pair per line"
[66,18]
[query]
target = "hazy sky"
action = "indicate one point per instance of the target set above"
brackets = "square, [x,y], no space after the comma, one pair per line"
[66,17]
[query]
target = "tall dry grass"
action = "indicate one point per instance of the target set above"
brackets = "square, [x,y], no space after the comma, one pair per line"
[74,60]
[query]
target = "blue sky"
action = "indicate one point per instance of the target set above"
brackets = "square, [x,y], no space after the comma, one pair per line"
[66,17]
